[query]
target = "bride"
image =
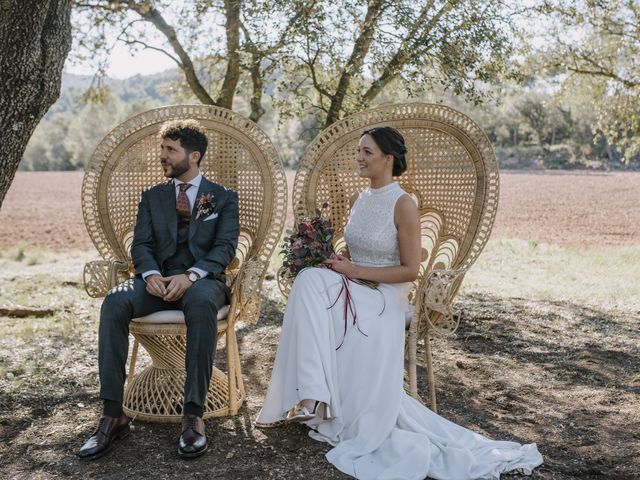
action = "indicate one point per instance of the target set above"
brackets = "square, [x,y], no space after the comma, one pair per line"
[339,365]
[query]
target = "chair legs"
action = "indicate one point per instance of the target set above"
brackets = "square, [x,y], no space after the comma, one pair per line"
[431,383]
[233,371]
[412,344]
[155,394]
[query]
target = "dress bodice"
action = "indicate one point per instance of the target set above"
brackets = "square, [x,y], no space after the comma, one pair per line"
[371,233]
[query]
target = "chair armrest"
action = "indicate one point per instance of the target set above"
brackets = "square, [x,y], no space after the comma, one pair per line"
[434,298]
[100,276]
[285,282]
[246,290]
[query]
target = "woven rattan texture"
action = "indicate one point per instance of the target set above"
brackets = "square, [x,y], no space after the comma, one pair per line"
[156,393]
[240,156]
[452,173]
[453,176]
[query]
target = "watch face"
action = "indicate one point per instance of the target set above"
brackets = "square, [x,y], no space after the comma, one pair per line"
[193,277]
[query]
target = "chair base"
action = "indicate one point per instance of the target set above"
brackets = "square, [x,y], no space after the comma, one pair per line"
[156,395]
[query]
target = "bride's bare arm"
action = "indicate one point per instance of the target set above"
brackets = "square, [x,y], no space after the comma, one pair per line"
[407,220]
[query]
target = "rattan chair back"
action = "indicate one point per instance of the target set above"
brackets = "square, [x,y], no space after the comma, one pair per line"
[240,156]
[452,174]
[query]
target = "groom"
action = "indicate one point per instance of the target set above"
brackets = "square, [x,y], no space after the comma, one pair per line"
[185,235]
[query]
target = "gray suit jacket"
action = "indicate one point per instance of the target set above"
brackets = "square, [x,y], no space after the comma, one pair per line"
[212,243]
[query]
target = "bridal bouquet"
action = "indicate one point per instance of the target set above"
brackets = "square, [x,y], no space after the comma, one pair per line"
[310,244]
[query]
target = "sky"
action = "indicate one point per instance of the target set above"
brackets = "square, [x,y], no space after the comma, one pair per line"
[124,65]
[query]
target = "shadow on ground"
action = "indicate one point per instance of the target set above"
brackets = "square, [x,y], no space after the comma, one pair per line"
[562,375]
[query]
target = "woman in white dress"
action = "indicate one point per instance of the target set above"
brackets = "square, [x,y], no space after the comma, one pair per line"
[340,370]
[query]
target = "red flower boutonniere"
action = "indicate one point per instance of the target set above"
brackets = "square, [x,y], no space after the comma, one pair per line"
[205,205]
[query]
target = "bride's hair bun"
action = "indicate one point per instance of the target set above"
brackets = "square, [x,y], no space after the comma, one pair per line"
[391,142]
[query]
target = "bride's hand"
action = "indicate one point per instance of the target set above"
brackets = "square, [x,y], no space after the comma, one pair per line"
[341,264]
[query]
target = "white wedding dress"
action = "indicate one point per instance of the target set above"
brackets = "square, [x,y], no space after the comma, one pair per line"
[377,430]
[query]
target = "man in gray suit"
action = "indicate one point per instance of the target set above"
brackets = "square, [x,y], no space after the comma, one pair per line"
[185,236]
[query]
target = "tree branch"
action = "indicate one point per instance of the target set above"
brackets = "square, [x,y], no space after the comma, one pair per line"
[311,64]
[232,75]
[402,55]
[153,16]
[604,73]
[354,64]
[151,47]
[600,70]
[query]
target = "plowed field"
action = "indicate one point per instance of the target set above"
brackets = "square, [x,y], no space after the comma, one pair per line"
[43,209]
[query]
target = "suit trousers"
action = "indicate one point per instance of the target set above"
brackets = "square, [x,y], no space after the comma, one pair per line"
[200,304]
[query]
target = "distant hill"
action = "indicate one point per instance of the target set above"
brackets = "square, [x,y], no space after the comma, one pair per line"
[71,129]
[69,132]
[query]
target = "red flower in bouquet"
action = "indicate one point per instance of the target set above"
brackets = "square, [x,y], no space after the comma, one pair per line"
[310,244]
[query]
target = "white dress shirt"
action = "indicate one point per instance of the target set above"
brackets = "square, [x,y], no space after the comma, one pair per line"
[191,193]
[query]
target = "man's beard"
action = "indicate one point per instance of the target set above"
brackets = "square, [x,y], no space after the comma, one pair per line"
[179,169]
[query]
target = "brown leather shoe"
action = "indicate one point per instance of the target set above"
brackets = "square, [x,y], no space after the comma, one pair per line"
[193,441]
[110,430]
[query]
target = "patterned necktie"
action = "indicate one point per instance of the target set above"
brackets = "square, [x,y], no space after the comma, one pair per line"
[182,202]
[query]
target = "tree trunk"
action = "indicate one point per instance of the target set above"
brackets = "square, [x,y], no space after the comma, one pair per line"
[257,81]
[35,38]
[354,64]
[611,157]
[232,75]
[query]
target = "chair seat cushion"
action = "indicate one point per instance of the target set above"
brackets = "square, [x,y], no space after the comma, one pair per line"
[174,316]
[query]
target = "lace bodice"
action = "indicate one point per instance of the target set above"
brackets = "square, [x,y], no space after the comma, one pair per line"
[371,233]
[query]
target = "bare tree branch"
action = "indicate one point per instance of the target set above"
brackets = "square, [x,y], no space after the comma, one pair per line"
[153,16]
[151,47]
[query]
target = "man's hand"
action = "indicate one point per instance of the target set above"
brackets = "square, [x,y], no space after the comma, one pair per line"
[177,285]
[156,285]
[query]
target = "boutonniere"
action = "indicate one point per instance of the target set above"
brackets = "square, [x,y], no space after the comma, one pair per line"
[205,205]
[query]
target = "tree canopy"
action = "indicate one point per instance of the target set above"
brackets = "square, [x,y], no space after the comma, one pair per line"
[594,46]
[325,58]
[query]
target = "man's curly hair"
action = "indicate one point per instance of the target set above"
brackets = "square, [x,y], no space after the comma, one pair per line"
[190,133]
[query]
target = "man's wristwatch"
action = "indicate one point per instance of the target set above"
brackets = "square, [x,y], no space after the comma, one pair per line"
[193,276]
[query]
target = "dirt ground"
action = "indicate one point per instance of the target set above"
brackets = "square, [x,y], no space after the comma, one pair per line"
[561,374]
[565,208]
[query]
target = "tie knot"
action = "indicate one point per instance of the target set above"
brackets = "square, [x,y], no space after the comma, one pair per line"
[184,186]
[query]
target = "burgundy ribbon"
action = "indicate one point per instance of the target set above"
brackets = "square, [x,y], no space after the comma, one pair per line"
[348,307]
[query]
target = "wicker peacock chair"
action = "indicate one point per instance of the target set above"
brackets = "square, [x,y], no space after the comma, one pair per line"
[453,176]
[240,157]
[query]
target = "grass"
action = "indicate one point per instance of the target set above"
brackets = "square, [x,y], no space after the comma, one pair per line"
[604,277]
[54,282]
[547,351]
[24,254]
